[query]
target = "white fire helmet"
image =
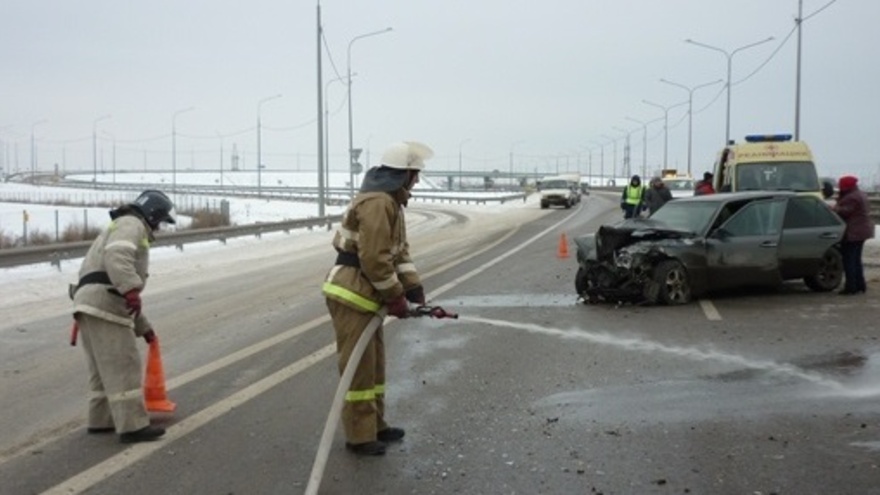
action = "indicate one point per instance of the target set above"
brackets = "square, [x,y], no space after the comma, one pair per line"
[406,155]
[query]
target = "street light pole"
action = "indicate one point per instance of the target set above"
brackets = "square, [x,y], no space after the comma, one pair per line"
[626,151]
[729,56]
[614,160]
[174,148]
[259,151]
[351,157]
[690,91]
[34,148]
[666,110]
[95,149]
[512,146]
[601,162]
[460,183]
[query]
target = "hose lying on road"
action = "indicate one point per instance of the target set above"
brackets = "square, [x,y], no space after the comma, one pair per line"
[336,407]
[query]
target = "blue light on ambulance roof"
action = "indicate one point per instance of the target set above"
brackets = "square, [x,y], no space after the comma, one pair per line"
[767,138]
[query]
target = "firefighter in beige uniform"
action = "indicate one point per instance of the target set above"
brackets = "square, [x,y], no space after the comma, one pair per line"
[373,268]
[107,308]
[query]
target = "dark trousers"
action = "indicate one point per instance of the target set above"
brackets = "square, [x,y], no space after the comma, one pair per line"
[630,211]
[852,265]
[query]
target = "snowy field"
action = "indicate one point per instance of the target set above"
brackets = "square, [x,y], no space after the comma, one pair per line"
[31,284]
[21,287]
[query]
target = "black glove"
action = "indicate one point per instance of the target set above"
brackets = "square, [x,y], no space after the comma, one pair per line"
[416,295]
[149,336]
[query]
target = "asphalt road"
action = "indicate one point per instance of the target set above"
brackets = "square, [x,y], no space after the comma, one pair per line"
[531,391]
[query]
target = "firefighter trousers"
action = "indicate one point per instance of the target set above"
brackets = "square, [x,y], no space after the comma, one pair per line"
[117,398]
[363,413]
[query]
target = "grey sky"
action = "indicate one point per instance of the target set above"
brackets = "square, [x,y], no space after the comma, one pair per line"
[545,80]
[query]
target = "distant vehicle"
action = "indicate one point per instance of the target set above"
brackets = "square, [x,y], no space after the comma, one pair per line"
[767,163]
[558,191]
[696,245]
[680,187]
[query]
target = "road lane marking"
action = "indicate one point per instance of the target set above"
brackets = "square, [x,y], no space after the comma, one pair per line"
[134,453]
[104,470]
[709,310]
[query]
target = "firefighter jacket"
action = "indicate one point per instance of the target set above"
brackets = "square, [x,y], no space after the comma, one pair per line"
[373,265]
[116,263]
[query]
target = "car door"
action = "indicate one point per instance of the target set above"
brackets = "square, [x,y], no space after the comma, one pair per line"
[744,250]
[809,229]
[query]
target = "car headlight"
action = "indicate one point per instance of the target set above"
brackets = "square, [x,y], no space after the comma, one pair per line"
[624,260]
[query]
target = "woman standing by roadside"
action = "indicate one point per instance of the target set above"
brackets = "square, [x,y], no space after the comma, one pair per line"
[852,206]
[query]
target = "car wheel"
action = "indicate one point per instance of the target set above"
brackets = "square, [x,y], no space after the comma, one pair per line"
[674,286]
[830,272]
[580,281]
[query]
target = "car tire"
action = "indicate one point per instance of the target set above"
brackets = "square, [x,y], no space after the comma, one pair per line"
[830,273]
[580,281]
[674,284]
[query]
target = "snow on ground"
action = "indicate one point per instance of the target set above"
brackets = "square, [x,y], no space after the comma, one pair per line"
[33,284]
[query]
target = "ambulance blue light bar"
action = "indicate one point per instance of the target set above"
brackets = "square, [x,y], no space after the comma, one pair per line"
[767,138]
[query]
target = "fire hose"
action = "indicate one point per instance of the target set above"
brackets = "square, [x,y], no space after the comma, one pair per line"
[345,382]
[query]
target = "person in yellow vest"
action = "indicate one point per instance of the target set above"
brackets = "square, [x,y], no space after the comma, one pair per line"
[631,201]
[373,269]
[108,312]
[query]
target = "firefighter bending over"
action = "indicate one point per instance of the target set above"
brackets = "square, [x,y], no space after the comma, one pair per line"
[107,309]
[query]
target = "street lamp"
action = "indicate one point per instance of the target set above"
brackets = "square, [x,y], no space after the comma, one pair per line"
[666,110]
[690,91]
[352,159]
[327,137]
[113,155]
[220,137]
[95,149]
[512,146]
[601,162]
[34,148]
[626,150]
[174,147]
[460,183]
[614,161]
[729,56]
[259,152]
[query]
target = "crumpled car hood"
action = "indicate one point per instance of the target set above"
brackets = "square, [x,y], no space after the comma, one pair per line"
[610,238]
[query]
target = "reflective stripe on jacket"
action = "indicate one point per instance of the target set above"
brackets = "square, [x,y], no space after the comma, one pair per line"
[374,229]
[633,194]
[122,250]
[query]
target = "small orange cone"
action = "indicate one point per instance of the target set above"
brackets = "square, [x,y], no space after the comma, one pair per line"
[563,246]
[154,382]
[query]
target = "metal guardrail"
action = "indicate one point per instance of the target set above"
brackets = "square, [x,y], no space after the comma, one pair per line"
[55,253]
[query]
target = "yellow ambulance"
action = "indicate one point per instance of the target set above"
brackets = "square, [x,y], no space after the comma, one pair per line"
[767,163]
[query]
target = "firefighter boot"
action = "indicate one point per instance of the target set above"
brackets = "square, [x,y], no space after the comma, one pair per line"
[367,448]
[391,434]
[145,434]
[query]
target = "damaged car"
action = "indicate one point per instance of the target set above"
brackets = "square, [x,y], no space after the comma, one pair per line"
[701,244]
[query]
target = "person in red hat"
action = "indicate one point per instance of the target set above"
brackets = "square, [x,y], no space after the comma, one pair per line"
[852,206]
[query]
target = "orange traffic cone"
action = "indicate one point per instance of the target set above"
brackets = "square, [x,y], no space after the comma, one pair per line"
[154,381]
[563,246]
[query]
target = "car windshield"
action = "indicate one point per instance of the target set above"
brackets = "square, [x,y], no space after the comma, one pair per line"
[554,184]
[775,176]
[686,216]
[679,184]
